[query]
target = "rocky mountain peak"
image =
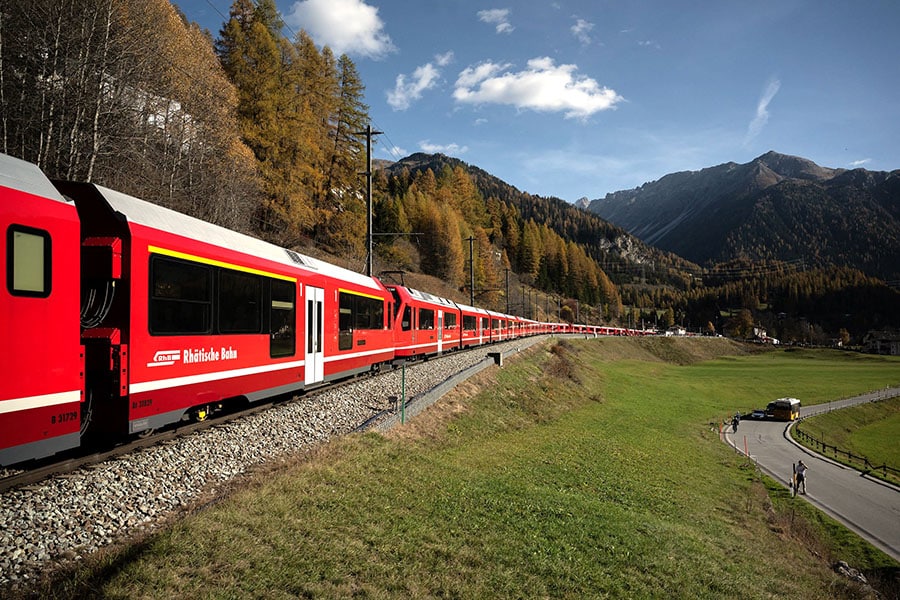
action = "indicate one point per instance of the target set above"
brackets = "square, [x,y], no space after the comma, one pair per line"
[794,167]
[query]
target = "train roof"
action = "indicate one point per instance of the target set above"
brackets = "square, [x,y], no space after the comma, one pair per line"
[151,215]
[420,295]
[20,175]
[475,309]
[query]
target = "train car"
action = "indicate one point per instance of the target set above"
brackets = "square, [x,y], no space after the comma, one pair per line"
[475,323]
[528,327]
[41,370]
[499,327]
[517,327]
[202,314]
[420,323]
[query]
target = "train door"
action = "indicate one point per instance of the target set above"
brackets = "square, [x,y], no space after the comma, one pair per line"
[440,332]
[315,357]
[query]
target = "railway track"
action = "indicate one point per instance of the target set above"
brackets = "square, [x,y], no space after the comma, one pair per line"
[85,457]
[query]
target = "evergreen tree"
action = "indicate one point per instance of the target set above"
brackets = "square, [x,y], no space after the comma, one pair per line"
[347,157]
[260,63]
[487,277]
[530,250]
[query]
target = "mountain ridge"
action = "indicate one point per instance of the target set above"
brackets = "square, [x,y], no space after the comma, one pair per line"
[776,207]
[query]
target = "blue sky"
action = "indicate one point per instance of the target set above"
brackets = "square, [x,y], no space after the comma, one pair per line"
[574,98]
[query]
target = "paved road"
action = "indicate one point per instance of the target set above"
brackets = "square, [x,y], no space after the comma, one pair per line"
[866,505]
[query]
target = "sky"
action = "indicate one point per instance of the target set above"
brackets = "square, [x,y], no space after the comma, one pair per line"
[580,98]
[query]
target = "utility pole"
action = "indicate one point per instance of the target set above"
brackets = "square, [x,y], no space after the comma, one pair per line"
[368,173]
[507,291]
[471,270]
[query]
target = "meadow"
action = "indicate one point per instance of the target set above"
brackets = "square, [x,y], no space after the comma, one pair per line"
[581,469]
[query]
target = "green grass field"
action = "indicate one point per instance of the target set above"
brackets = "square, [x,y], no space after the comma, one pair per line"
[581,469]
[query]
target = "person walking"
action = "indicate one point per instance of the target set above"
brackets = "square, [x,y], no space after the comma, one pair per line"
[801,477]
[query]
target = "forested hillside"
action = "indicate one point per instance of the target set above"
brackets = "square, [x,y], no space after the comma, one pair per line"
[427,214]
[125,93]
[256,132]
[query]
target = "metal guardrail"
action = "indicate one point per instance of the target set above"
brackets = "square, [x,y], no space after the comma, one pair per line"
[415,405]
[823,448]
[847,455]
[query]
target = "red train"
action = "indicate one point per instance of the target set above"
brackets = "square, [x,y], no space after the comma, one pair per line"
[178,315]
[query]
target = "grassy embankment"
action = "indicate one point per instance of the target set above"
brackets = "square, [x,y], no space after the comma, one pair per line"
[582,469]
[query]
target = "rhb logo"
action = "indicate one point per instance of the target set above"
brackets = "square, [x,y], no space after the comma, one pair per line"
[164,358]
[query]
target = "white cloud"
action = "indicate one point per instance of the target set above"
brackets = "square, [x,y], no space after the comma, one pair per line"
[394,152]
[405,93]
[426,146]
[762,111]
[581,30]
[346,26]
[498,17]
[542,86]
[858,163]
[470,76]
[423,78]
[444,59]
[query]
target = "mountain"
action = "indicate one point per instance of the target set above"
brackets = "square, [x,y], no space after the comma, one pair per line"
[776,207]
[621,255]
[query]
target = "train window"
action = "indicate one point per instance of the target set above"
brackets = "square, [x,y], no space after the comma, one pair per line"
[406,323]
[282,319]
[239,302]
[28,264]
[469,323]
[180,297]
[450,320]
[358,312]
[362,312]
[369,313]
[426,318]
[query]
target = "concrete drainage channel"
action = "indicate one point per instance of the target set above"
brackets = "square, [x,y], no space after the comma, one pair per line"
[415,405]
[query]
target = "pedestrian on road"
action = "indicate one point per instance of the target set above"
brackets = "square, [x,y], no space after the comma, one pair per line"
[801,477]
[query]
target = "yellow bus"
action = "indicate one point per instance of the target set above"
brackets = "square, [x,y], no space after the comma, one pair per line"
[784,409]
